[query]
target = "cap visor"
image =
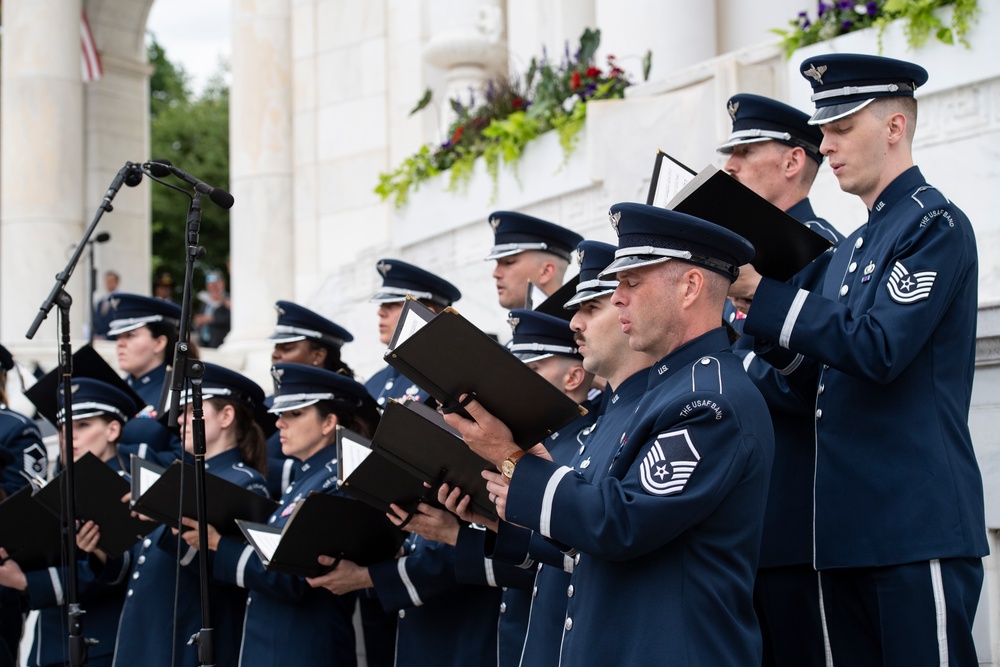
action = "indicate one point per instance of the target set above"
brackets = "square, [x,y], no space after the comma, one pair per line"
[631,262]
[837,111]
[277,338]
[280,407]
[502,253]
[733,143]
[131,326]
[531,357]
[384,297]
[586,295]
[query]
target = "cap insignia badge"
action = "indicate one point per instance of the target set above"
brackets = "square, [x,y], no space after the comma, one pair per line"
[733,108]
[281,311]
[615,218]
[579,257]
[513,322]
[494,223]
[384,268]
[276,374]
[816,72]
[114,303]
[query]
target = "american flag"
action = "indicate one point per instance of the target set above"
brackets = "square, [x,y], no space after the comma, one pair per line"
[90,63]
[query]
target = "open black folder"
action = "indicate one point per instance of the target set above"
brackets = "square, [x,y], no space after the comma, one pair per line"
[324,525]
[411,446]
[783,244]
[156,492]
[448,356]
[99,491]
[29,532]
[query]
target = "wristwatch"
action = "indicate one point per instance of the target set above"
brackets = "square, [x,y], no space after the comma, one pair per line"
[507,466]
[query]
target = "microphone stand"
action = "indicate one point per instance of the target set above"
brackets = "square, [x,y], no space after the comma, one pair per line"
[78,644]
[185,368]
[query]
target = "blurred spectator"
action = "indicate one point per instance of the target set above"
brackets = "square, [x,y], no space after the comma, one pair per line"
[163,286]
[213,318]
[103,310]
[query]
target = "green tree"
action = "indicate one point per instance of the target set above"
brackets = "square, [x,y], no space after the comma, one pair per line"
[192,132]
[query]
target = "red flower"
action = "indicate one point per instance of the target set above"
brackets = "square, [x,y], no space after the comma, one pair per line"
[574,81]
[458,134]
[593,71]
[517,103]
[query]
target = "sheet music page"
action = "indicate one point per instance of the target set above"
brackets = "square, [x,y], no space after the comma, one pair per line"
[672,180]
[535,296]
[265,541]
[146,479]
[351,455]
[414,316]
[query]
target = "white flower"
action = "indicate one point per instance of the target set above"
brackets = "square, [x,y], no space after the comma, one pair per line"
[570,102]
[861,9]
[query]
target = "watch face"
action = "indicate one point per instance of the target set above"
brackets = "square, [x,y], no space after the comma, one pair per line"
[507,467]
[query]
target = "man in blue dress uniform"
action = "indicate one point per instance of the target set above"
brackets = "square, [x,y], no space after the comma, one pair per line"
[665,539]
[885,345]
[528,250]
[400,280]
[775,152]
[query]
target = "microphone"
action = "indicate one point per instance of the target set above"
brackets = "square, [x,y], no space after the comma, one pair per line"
[221,198]
[103,237]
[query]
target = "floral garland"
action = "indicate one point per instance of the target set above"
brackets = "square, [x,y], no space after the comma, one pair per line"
[513,112]
[839,17]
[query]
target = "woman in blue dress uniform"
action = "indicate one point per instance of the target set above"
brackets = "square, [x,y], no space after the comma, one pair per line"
[21,443]
[145,333]
[99,412]
[287,622]
[301,336]
[152,632]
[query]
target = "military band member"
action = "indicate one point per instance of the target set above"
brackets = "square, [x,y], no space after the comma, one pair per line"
[665,538]
[775,152]
[162,609]
[527,249]
[885,345]
[287,622]
[400,279]
[99,412]
[301,336]
[19,437]
[145,332]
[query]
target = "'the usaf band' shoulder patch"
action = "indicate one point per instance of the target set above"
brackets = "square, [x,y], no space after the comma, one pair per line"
[905,287]
[669,464]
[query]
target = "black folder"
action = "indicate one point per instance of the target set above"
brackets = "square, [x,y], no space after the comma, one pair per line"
[448,356]
[783,244]
[412,446]
[99,491]
[156,492]
[30,533]
[324,525]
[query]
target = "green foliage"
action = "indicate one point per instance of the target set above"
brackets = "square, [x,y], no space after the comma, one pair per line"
[839,17]
[514,111]
[193,133]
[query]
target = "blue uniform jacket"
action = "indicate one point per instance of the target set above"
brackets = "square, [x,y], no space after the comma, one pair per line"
[668,535]
[146,436]
[145,634]
[787,538]
[441,621]
[21,438]
[390,383]
[565,446]
[101,600]
[288,622]
[886,345]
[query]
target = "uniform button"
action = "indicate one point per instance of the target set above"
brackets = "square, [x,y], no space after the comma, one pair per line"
[147,542]
[129,594]
[402,613]
[141,560]
[569,623]
[859,243]
[706,361]
[822,388]
[135,575]
[853,267]
[826,366]
[844,289]
[819,413]
[570,591]
[503,607]
[534,592]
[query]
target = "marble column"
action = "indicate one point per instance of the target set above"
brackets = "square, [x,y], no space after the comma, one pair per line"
[679,33]
[260,138]
[41,150]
